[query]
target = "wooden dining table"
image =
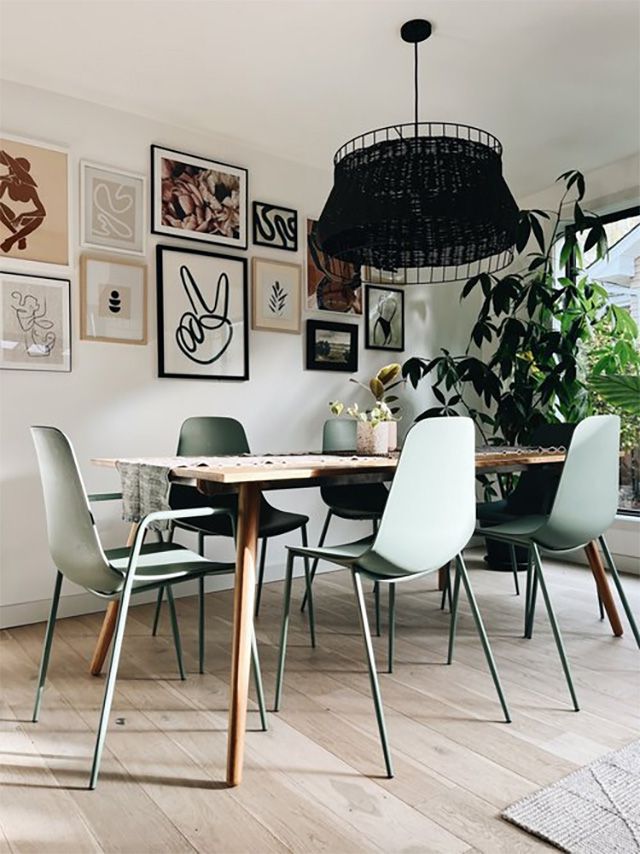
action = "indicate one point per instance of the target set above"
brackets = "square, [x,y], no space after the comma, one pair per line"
[250,476]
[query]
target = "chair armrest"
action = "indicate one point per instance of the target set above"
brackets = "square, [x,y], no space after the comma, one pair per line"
[159,516]
[104,496]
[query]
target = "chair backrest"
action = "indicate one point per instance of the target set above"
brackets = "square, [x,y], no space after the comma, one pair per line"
[339,434]
[430,513]
[73,539]
[587,498]
[210,436]
[537,486]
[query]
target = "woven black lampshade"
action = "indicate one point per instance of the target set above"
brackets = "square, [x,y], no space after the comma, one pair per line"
[419,203]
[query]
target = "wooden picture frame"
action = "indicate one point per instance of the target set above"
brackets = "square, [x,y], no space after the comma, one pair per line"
[274,226]
[118,304]
[276,291]
[332,346]
[384,318]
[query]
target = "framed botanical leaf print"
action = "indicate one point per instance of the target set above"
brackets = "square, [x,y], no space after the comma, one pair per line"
[276,287]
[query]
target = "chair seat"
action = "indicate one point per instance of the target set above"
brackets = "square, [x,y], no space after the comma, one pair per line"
[273,522]
[160,563]
[345,554]
[493,512]
[523,528]
[360,501]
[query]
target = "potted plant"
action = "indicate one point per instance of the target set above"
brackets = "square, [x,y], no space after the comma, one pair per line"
[372,434]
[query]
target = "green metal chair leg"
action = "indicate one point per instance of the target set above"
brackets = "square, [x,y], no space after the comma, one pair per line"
[176,631]
[554,624]
[263,557]
[156,616]
[532,606]
[514,567]
[373,676]
[46,648]
[309,592]
[446,590]
[621,593]
[528,592]
[392,625]
[454,614]
[284,629]
[201,622]
[257,675]
[314,566]
[600,607]
[484,640]
[376,605]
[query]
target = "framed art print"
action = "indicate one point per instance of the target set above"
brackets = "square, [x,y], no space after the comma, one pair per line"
[35,323]
[275,226]
[275,289]
[384,318]
[202,315]
[331,285]
[113,300]
[34,201]
[198,198]
[332,346]
[112,205]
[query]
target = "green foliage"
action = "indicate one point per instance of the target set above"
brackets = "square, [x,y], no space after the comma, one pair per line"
[547,336]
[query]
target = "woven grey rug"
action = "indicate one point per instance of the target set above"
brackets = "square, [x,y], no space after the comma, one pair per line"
[595,810]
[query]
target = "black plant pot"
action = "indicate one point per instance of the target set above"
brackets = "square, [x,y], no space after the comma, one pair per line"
[498,556]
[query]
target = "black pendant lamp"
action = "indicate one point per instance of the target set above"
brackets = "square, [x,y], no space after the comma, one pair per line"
[420,203]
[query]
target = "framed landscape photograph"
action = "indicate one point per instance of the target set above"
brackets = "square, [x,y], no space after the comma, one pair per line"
[35,323]
[34,201]
[202,315]
[112,209]
[384,318]
[332,346]
[113,300]
[276,287]
[331,285]
[198,198]
[275,226]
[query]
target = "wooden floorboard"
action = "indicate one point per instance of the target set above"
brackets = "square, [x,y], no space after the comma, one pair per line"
[315,781]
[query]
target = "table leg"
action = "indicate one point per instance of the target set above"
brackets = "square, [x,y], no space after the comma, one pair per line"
[602,583]
[108,624]
[244,591]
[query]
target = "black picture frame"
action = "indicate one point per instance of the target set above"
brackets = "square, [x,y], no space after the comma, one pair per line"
[157,227]
[259,230]
[373,330]
[192,327]
[322,362]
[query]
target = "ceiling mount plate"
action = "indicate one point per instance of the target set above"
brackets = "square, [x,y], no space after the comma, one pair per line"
[417,30]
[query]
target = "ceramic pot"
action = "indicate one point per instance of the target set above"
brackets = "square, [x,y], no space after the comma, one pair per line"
[392,428]
[370,440]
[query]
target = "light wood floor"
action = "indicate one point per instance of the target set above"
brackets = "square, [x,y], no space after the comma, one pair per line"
[314,781]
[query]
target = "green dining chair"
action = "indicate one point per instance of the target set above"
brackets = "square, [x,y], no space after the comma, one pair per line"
[428,519]
[119,573]
[356,502]
[584,507]
[212,436]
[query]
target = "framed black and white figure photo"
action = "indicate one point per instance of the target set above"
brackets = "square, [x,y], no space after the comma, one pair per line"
[332,346]
[198,198]
[384,311]
[276,289]
[35,323]
[275,226]
[202,315]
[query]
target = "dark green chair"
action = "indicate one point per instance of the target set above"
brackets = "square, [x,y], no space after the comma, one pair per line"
[118,573]
[428,519]
[212,436]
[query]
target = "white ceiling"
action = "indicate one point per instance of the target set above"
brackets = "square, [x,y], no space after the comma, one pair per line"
[558,81]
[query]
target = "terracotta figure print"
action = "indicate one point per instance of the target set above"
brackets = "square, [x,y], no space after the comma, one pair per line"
[17,189]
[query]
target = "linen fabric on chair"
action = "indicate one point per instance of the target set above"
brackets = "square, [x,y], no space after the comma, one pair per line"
[118,573]
[428,519]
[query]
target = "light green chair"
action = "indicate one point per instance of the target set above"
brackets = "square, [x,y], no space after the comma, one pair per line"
[584,507]
[78,555]
[428,519]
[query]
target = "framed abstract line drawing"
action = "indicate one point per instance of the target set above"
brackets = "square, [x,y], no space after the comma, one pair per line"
[34,201]
[112,209]
[275,226]
[198,198]
[202,315]
[35,323]
[113,300]
[332,285]
[332,346]
[384,318]
[276,287]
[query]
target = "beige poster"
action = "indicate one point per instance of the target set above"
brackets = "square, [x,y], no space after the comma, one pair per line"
[34,200]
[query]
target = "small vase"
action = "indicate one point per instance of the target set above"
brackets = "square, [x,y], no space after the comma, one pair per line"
[372,441]
[392,428]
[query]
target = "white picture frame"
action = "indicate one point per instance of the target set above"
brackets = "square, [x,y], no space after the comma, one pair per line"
[112,209]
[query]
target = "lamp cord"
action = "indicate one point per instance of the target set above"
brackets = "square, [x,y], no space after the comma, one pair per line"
[415,88]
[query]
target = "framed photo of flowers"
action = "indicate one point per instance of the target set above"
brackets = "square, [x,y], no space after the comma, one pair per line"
[113,300]
[276,287]
[384,318]
[198,198]
[332,346]
[35,323]
[202,315]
